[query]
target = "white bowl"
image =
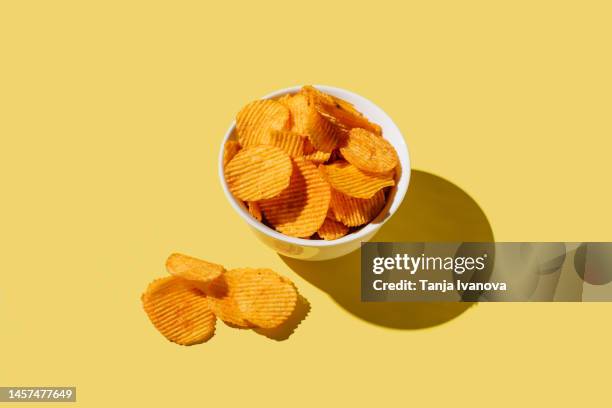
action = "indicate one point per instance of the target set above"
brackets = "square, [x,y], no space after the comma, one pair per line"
[317,250]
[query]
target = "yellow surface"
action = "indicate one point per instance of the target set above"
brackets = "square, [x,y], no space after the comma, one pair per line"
[110,120]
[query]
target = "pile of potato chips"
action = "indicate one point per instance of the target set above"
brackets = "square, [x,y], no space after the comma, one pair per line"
[184,306]
[309,165]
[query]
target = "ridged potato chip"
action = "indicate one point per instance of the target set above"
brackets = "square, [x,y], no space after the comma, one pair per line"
[193,269]
[231,148]
[258,118]
[300,209]
[330,99]
[332,229]
[284,99]
[349,107]
[179,311]
[307,121]
[353,182]
[292,143]
[254,210]
[353,212]
[264,298]
[289,326]
[330,213]
[339,112]
[369,152]
[316,156]
[221,297]
[258,172]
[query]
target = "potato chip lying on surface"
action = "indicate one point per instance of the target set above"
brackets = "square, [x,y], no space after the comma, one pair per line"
[313,130]
[222,299]
[179,311]
[242,297]
[264,298]
[192,269]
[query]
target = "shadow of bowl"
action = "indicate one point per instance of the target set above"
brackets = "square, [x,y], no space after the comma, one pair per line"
[434,210]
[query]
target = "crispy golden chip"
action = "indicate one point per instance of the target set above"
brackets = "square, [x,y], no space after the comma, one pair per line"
[193,269]
[231,148]
[284,99]
[258,172]
[369,152]
[316,156]
[356,211]
[330,99]
[257,118]
[338,111]
[300,209]
[286,329]
[254,210]
[353,182]
[221,297]
[179,311]
[347,106]
[332,229]
[307,121]
[264,298]
[330,213]
[292,143]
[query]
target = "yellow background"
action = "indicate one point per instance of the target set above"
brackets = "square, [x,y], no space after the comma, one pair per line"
[111,114]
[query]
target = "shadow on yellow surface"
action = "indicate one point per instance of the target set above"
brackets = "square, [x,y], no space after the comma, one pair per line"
[434,210]
[302,308]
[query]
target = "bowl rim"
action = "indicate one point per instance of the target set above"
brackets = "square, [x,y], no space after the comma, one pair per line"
[388,211]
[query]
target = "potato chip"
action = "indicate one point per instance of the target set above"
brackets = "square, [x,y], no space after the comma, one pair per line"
[179,311]
[258,172]
[330,99]
[254,210]
[349,107]
[353,182]
[369,152]
[307,121]
[300,209]
[330,213]
[284,99]
[221,297]
[258,118]
[332,229]
[264,298]
[292,143]
[352,211]
[229,151]
[289,326]
[193,269]
[338,111]
[316,156]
